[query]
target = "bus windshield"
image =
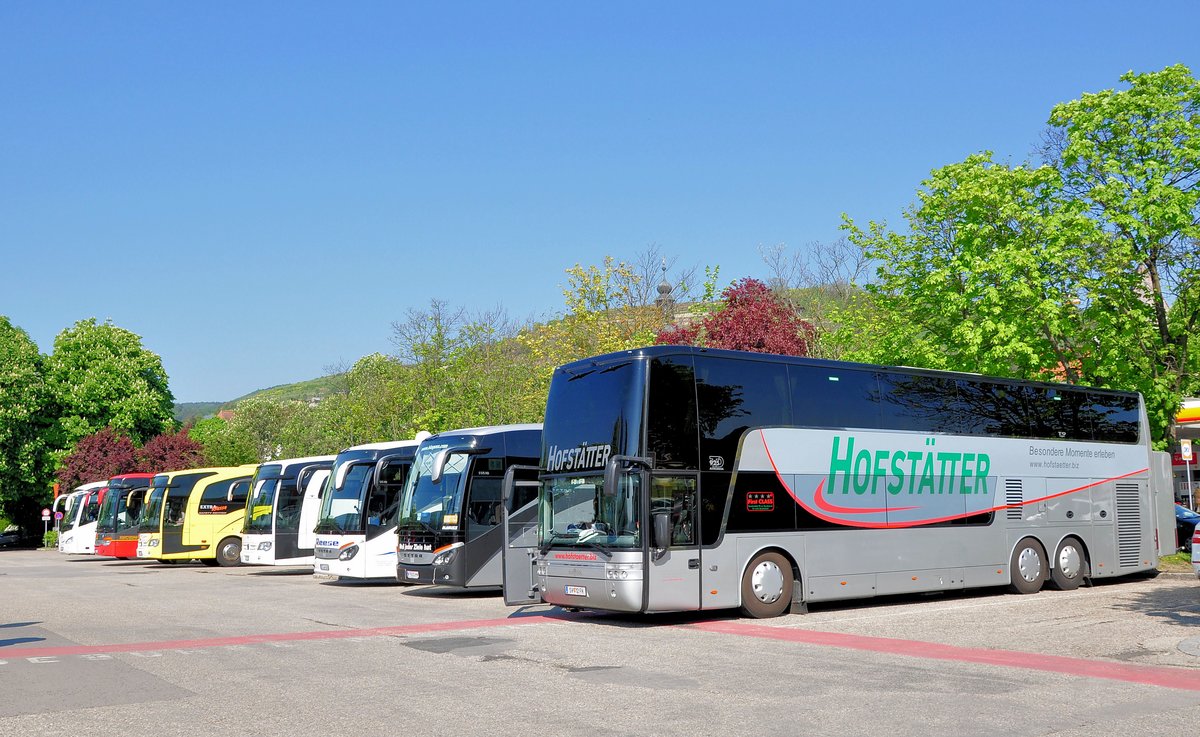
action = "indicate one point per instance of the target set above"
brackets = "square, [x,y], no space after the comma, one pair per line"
[106,521]
[345,496]
[258,511]
[576,512]
[68,521]
[152,511]
[430,505]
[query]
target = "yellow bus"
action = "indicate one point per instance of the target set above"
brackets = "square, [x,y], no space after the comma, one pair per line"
[195,514]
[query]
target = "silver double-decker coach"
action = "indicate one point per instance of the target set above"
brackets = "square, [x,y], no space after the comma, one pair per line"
[678,478]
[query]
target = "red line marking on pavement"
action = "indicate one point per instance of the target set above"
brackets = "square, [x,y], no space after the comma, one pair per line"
[1154,675]
[408,629]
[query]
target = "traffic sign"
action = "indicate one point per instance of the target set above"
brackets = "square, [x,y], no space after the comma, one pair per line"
[45,512]
[58,515]
[1185,450]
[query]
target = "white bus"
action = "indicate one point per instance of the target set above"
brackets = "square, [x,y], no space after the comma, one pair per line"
[677,478]
[285,498]
[77,532]
[356,528]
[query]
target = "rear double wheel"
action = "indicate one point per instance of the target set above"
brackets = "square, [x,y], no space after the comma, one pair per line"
[1070,565]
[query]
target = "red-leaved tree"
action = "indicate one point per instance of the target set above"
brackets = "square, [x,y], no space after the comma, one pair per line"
[170,452]
[97,457]
[750,318]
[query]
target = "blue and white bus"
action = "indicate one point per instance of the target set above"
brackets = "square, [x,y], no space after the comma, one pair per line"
[677,478]
[356,528]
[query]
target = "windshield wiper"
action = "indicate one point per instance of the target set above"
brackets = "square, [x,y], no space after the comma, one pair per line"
[328,522]
[554,536]
[420,522]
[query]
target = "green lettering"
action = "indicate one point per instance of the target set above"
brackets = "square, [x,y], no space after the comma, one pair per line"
[898,472]
[913,460]
[862,478]
[839,464]
[926,475]
[963,487]
[950,459]
[983,465]
[879,470]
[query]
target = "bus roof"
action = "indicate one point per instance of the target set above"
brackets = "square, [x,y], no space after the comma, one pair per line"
[675,350]
[488,430]
[389,445]
[247,469]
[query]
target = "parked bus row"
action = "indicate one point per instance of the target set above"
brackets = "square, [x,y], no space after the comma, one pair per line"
[675,478]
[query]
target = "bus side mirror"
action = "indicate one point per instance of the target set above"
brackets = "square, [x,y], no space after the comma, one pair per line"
[662,533]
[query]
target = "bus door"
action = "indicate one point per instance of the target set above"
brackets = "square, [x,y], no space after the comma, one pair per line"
[383,498]
[129,512]
[174,514]
[673,565]
[309,482]
[520,522]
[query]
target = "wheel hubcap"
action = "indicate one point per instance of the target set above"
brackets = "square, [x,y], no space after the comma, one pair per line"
[1069,561]
[1029,563]
[767,582]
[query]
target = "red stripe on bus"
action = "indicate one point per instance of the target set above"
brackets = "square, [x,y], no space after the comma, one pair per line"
[819,498]
[1187,679]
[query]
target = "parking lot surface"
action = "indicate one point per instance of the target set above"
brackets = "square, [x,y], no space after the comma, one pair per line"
[139,648]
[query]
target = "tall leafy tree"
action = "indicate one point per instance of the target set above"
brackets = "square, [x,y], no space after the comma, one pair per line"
[1132,157]
[25,412]
[100,375]
[1082,270]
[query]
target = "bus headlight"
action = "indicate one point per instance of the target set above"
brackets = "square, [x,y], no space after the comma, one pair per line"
[445,557]
[264,546]
[348,553]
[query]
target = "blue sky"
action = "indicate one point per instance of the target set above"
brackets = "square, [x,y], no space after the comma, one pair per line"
[260,189]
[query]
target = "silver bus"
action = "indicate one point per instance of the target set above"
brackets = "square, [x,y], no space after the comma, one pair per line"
[678,478]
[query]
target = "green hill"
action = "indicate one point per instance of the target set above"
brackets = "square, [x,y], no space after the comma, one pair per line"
[302,391]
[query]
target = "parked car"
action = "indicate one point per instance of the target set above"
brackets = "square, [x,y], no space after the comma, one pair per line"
[12,537]
[1185,526]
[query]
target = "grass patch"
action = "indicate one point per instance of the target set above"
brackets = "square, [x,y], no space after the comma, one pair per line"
[1176,563]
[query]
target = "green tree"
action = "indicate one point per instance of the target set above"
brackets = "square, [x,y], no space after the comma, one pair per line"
[1132,157]
[222,445]
[988,278]
[100,376]
[25,467]
[1083,269]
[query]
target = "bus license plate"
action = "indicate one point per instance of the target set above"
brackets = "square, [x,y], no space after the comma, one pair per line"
[576,591]
[412,574]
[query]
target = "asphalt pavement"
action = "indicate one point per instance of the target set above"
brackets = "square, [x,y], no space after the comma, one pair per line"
[98,646]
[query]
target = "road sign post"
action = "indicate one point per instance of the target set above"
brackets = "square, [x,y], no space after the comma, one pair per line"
[45,523]
[1185,450]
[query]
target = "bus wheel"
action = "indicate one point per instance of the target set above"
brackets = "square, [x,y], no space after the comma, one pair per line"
[1027,569]
[1069,565]
[229,552]
[767,586]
